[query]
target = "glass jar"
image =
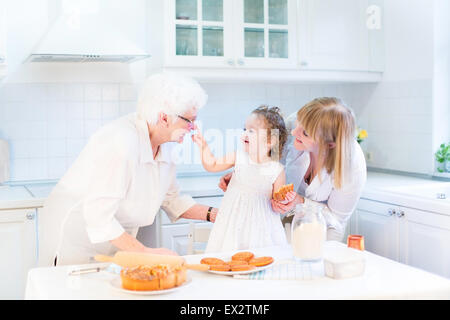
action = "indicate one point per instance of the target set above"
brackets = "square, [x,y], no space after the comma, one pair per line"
[308,233]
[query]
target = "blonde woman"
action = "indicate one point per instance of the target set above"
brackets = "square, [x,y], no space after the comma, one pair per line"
[324,162]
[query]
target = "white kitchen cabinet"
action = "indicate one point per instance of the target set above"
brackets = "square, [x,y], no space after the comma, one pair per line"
[265,33]
[377,222]
[199,33]
[276,40]
[340,35]
[174,236]
[231,33]
[414,237]
[424,240]
[18,248]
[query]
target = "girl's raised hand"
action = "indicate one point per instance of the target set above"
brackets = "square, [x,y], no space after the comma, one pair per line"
[198,139]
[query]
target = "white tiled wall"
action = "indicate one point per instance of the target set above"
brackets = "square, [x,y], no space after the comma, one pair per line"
[398,118]
[48,124]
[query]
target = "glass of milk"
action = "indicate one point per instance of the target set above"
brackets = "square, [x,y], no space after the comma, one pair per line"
[308,234]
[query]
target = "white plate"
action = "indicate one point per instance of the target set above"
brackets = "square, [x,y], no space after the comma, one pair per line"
[231,273]
[116,283]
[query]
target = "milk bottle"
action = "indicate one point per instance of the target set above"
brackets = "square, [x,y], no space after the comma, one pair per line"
[309,232]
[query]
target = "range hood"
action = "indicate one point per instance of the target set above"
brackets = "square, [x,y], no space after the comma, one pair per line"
[85,38]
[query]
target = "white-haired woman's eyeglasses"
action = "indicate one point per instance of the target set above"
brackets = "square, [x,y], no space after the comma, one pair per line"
[190,122]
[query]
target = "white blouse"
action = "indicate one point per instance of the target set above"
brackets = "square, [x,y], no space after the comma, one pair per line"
[114,186]
[338,204]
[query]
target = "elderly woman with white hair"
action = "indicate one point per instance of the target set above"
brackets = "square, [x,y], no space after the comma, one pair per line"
[122,177]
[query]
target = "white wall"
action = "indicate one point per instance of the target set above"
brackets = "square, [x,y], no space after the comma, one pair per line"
[441,77]
[47,125]
[399,111]
[28,21]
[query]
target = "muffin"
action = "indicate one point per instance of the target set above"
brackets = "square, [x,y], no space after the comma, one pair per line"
[149,278]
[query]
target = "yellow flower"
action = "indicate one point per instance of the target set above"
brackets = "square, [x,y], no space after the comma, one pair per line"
[362,134]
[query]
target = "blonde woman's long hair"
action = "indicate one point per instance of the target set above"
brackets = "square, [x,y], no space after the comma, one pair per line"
[329,120]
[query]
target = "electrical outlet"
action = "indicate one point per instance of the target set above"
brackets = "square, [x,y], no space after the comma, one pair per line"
[369,156]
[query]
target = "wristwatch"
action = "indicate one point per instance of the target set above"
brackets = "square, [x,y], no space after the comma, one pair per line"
[208,215]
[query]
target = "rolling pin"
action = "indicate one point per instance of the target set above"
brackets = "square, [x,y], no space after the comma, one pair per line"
[127,259]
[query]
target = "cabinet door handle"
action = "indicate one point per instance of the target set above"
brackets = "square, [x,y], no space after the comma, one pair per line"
[392,212]
[401,214]
[31,215]
[230,62]
[241,62]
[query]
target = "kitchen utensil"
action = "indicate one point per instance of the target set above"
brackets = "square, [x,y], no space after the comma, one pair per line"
[84,271]
[4,161]
[128,259]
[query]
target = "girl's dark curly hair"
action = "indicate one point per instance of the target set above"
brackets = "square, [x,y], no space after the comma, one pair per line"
[276,128]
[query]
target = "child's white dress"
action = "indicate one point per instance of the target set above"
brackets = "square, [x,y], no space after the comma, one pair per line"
[245,219]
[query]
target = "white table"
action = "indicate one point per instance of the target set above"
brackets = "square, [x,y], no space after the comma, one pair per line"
[383,279]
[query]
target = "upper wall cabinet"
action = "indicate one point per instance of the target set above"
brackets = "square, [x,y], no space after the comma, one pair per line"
[340,35]
[289,40]
[231,33]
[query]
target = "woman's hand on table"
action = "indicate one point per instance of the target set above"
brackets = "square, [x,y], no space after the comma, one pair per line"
[292,198]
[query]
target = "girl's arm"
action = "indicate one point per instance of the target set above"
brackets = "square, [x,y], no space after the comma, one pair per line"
[209,162]
[279,182]
[292,197]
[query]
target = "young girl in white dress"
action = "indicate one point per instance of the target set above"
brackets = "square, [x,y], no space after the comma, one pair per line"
[245,219]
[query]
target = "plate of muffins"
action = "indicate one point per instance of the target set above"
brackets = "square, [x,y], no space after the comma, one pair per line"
[244,262]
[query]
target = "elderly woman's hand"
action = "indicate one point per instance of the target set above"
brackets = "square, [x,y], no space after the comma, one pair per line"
[293,198]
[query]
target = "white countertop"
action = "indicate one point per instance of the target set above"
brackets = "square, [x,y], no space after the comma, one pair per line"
[16,197]
[33,194]
[382,279]
[381,187]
